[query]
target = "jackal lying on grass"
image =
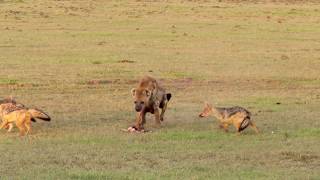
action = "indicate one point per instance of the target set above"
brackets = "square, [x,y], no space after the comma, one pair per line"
[13,112]
[238,116]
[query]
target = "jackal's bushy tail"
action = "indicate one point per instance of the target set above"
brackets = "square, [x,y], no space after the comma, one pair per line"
[37,113]
[244,124]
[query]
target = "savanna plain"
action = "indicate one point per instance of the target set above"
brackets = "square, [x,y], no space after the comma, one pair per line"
[78,60]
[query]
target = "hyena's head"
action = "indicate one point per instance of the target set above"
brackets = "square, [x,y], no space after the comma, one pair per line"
[207,110]
[141,98]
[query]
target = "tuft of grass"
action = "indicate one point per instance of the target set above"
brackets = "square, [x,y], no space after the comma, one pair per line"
[96,62]
[9,81]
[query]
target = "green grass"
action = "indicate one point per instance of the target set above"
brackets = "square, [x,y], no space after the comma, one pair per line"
[78,61]
[9,81]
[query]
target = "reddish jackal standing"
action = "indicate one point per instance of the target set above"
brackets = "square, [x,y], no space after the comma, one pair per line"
[239,117]
[13,112]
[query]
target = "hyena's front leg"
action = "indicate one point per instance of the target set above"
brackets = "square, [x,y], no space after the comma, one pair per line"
[157,116]
[140,120]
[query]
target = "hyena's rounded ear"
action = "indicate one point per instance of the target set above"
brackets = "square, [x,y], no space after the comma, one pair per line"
[133,91]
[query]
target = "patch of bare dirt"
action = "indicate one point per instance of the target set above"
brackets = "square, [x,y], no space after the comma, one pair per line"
[126,61]
[110,81]
[300,157]
[221,84]
[178,83]
[271,1]
[183,83]
[97,82]
[21,85]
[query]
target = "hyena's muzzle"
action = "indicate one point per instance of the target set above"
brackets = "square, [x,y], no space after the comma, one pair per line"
[139,105]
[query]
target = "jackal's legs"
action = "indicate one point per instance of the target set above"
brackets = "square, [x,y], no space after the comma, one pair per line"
[28,126]
[22,128]
[10,126]
[224,126]
[254,127]
[3,124]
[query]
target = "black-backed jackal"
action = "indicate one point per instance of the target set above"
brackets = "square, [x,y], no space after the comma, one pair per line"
[13,112]
[239,117]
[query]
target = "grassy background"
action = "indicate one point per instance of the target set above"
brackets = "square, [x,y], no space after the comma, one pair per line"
[78,61]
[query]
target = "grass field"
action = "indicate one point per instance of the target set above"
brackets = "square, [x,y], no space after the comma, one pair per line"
[79,59]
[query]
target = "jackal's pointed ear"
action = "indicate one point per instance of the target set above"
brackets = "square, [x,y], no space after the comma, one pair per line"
[206,104]
[133,91]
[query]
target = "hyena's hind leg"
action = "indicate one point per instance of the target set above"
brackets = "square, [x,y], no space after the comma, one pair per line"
[163,105]
[157,116]
[163,110]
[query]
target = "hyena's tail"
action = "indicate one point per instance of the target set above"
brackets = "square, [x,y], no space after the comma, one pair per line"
[38,114]
[168,96]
